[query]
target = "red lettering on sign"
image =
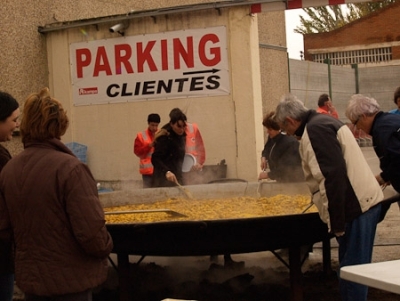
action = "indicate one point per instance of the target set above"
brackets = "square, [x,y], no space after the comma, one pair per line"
[102,63]
[123,52]
[181,52]
[155,55]
[215,52]
[83,59]
[164,55]
[144,56]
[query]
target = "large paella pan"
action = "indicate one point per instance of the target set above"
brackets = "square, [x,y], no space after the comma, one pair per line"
[216,236]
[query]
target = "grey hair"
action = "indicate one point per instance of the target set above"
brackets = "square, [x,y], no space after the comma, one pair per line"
[289,106]
[361,105]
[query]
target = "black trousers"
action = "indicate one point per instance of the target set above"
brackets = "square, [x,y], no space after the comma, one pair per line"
[82,296]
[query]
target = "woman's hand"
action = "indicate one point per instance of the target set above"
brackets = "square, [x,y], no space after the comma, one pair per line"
[170,176]
[264,163]
[263,175]
[197,167]
[330,107]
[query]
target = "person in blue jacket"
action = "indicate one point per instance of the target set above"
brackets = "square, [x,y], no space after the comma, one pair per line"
[396,99]
[385,131]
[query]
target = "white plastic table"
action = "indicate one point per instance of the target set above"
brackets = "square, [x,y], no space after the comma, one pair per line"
[382,275]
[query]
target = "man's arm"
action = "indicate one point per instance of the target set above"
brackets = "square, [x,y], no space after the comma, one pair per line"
[201,150]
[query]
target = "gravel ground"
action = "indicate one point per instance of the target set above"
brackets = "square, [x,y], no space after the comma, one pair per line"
[263,278]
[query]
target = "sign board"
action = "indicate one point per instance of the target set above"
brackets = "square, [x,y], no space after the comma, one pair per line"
[176,64]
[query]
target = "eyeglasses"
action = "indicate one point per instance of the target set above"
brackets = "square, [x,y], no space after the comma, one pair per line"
[355,122]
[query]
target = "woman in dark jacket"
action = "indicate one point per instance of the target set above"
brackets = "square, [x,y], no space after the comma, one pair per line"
[9,113]
[169,151]
[281,155]
[49,203]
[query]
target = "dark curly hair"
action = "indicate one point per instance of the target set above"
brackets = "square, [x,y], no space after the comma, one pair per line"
[8,105]
[322,99]
[270,123]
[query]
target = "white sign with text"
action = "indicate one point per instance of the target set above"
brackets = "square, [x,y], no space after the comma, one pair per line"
[176,64]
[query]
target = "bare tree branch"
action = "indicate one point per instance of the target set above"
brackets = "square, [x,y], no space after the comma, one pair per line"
[328,18]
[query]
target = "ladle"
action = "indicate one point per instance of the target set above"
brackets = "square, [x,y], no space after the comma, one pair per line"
[169,211]
[185,191]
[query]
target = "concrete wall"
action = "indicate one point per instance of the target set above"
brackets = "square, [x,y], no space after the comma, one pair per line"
[380,83]
[23,53]
[273,59]
[308,80]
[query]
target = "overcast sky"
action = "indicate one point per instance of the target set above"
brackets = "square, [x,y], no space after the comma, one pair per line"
[294,40]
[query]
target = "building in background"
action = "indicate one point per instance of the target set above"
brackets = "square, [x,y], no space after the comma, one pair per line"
[373,39]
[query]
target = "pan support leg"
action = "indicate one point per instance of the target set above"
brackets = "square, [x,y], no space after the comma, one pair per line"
[296,286]
[123,277]
[295,263]
[326,256]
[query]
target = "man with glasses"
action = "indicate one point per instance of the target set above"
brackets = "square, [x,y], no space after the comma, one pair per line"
[169,151]
[342,184]
[364,112]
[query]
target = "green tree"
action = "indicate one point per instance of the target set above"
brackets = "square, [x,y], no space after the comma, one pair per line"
[327,18]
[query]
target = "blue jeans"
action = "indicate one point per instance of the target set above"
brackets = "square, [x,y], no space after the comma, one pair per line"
[6,287]
[355,247]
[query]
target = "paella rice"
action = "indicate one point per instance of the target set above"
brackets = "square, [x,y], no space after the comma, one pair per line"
[213,209]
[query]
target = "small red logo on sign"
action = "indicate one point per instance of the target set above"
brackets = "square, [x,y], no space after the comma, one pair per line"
[88,91]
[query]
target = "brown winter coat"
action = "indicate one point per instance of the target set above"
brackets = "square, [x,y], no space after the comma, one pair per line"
[49,200]
[6,258]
